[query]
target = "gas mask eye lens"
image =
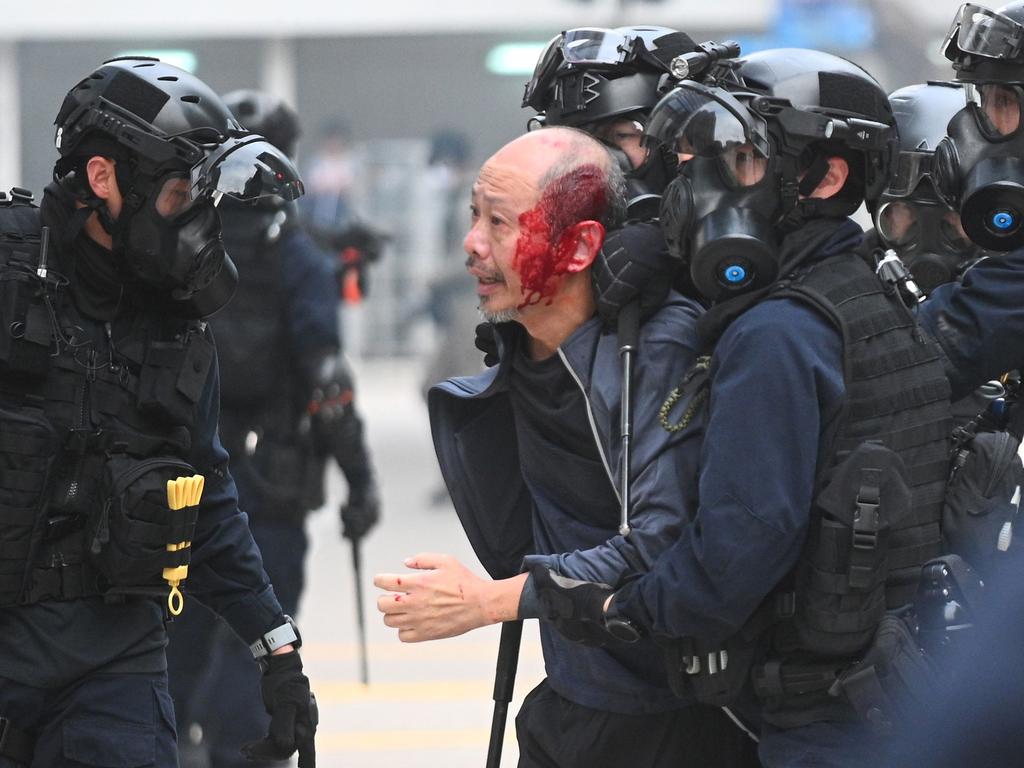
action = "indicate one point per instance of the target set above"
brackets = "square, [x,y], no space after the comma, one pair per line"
[744,166]
[897,223]
[953,235]
[1001,108]
[174,197]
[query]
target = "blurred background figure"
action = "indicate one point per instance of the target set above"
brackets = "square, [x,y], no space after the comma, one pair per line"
[287,405]
[330,177]
[450,304]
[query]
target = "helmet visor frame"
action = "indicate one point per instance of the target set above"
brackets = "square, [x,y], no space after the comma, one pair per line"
[981,32]
[706,121]
[246,168]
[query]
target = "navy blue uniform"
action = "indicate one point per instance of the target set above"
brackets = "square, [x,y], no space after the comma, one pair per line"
[85,678]
[979,322]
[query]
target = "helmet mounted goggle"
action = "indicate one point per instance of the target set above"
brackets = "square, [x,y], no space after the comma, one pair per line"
[745,127]
[978,31]
[583,48]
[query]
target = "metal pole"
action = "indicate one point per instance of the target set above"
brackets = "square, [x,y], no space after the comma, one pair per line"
[504,682]
[628,331]
[357,567]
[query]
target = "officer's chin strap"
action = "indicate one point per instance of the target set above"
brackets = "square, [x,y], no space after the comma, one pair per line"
[181,492]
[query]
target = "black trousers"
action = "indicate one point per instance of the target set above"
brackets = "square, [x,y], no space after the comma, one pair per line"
[554,732]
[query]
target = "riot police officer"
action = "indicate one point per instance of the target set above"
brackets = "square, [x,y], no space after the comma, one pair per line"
[113,481]
[804,529]
[978,170]
[286,403]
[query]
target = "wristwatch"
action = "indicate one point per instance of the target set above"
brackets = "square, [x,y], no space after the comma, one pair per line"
[278,637]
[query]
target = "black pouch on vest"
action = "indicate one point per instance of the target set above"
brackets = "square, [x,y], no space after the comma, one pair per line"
[893,679]
[25,326]
[840,583]
[173,375]
[134,525]
[28,444]
[983,498]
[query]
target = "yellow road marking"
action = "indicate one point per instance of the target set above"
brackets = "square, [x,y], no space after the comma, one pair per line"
[395,741]
[425,690]
[396,651]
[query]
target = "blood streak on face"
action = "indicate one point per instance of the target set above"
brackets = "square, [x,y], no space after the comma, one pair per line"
[547,231]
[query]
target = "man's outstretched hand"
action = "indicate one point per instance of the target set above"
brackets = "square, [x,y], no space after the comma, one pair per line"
[443,598]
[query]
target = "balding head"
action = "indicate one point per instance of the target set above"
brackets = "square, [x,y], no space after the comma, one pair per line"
[540,207]
[561,154]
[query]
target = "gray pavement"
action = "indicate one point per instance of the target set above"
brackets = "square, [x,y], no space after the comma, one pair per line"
[427,704]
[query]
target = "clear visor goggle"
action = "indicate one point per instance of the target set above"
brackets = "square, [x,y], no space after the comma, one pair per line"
[585,46]
[982,32]
[700,121]
[911,168]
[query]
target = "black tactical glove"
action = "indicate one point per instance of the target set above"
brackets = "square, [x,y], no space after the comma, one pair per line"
[292,709]
[576,608]
[487,343]
[360,514]
[634,262]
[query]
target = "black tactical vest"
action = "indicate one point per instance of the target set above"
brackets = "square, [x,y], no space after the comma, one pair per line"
[878,503]
[94,419]
[880,485]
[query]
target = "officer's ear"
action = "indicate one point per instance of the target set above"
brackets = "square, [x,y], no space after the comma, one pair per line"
[100,172]
[583,241]
[834,180]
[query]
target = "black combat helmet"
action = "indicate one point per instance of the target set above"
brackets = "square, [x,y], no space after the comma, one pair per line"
[155,110]
[160,117]
[266,114]
[586,75]
[825,86]
[987,46]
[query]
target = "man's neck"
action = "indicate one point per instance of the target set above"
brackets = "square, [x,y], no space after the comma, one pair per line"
[548,325]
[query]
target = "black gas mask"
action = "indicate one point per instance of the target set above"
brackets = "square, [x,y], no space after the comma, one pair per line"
[169,231]
[927,236]
[719,214]
[979,168]
[754,166]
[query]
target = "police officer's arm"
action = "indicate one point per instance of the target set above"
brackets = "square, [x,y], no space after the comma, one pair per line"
[980,322]
[776,388]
